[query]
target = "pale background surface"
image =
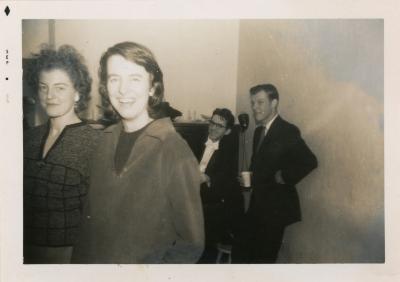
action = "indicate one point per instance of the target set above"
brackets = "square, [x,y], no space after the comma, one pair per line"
[330,77]
[324,199]
[198,57]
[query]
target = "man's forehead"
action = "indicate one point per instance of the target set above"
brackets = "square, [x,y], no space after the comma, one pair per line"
[218,118]
[260,95]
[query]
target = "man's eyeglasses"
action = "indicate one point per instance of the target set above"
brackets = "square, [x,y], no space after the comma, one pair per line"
[217,125]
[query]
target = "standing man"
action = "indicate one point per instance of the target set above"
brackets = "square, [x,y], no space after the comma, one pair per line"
[220,192]
[280,160]
[144,201]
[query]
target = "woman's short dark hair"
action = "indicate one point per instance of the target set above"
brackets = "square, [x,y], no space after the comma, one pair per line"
[226,115]
[68,59]
[142,56]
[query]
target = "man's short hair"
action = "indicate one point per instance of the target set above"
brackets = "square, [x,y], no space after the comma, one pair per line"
[226,115]
[271,91]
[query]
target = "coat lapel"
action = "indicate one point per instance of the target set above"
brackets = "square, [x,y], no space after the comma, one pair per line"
[211,163]
[271,133]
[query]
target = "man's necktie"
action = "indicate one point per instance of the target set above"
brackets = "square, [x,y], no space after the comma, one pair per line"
[261,135]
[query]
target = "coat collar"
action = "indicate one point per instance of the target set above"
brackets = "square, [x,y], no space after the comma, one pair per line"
[272,131]
[274,125]
[158,128]
[269,124]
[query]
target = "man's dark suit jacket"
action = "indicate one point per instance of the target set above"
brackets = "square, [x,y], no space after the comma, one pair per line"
[222,201]
[282,149]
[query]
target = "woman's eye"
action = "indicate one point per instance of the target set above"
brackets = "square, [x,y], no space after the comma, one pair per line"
[42,88]
[113,80]
[60,88]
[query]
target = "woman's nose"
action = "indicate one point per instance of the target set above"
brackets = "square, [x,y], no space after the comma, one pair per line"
[50,93]
[123,87]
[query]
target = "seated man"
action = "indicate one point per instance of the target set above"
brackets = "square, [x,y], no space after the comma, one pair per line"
[220,193]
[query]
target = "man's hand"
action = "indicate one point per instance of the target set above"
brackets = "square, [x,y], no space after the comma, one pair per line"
[278,177]
[205,179]
[240,180]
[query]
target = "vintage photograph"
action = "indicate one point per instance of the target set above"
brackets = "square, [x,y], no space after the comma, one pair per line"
[197,141]
[203,141]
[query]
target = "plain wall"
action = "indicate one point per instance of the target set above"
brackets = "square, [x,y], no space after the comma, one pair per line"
[34,33]
[329,74]
[198,58]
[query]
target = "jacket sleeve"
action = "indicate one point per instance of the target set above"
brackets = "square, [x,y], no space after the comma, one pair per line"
[224,180]
[299,160]
[183,191]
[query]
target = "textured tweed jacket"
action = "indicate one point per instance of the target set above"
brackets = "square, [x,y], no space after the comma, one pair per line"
[55,186]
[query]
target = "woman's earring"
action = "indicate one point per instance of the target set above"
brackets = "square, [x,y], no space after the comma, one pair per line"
[76,105]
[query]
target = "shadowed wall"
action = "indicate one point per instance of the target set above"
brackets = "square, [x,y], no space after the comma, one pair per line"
[330,77]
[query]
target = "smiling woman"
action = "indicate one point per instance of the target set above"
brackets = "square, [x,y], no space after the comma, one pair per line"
[56,157]
[146,207]
[129,90]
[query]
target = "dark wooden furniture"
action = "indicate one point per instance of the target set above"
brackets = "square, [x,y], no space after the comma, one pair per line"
[195,134]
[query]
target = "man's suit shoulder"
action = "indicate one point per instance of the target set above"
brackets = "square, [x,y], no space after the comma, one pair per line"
[230,141]
[286,128]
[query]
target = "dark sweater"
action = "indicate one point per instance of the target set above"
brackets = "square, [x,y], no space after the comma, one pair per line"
[56,186]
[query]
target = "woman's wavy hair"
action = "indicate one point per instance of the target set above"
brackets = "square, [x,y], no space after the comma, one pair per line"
[68,59]
[142,56]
